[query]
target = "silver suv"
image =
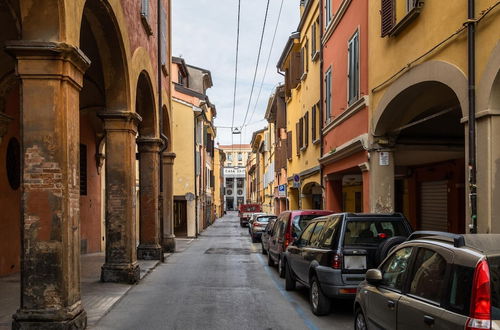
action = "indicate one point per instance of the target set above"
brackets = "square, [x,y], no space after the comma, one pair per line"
[434,280]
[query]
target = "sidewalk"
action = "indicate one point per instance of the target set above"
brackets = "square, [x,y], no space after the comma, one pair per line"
[97,297]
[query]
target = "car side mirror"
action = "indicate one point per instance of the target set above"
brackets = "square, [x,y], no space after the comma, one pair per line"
[374,276]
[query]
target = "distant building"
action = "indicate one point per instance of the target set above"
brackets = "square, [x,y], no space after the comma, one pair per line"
[234,174]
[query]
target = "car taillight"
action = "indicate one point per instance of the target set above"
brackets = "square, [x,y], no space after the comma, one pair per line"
[288,239]
[256,224]
[480,308]
[336,261]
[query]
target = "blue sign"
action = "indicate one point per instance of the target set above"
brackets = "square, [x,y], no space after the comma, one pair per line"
[282,190]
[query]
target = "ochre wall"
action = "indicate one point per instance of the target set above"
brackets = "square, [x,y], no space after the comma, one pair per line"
[9,199]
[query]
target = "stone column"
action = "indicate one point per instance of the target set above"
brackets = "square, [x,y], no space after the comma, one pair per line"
[382,181]
[51,78]
[149,216]
[121,255]
[168,241]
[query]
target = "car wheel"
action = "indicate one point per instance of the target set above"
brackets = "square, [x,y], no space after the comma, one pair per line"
[281,269]
[320,304]
[270,260]
[359,320]
[264,252]
[290,283]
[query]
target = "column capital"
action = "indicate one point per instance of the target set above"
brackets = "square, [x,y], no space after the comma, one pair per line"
[120,121]
[149,144]
[168,158]
[52,58]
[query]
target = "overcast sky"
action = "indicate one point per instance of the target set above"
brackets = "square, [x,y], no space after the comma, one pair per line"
[204,34]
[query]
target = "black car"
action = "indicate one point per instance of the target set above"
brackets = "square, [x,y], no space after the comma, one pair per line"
[333,253]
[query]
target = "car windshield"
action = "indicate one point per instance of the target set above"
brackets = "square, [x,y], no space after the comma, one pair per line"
[371,232]
[264,219]
[494,263]
[300,222]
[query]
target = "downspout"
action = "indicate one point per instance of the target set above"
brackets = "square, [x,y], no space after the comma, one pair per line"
[195,177]
[321,99]
[471,64]
[161,123]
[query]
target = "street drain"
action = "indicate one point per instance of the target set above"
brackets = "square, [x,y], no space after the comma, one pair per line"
[229,251]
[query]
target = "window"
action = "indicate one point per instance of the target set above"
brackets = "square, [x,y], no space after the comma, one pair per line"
[239,183]
[410,4]
[329,233]
[306,58]
[83,170]
[328,95]
[306,235]
[240,157]
[313,124]
[393,270]
[299,222]
[163,40]
[230,157]
[289,145]
[387,17]
[460,289]
[306,129]
[313,41]
[328,12]
[315,237]
[494,265]
[297,138]
[428,276]
[371,232]
[145,16]
[353,68]
[301,132]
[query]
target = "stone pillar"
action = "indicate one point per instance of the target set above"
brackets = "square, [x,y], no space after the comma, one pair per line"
[168,241]
[51,78]
[382,181]
[149,216]
[121,255]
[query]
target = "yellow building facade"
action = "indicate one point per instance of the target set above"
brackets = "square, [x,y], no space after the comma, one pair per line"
[419,101]
[301,64]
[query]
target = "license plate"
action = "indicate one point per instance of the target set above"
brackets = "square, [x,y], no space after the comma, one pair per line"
[354,262]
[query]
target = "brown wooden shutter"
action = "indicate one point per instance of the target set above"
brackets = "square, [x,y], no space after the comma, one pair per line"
[306,129]
[313,123]
[289,145]
[295,69]
[297,138]
[288,86]
[387,16]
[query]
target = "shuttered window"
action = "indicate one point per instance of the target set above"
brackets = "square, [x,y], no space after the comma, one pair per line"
[328,95]
[313,123]
[297,138]
[306,129]
[353,68]
[313,40]
[328,12]
[164,37]
[289,145]
[306,57]
[387,16]
[295,69]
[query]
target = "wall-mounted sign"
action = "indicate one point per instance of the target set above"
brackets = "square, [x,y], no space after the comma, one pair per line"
[282,190]
[189,196]
[296,181]
[384,158]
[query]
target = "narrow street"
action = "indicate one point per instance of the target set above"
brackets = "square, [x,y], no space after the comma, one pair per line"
[219,281]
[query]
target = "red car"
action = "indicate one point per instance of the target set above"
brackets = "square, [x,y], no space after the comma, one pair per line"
[285,231]
[246,211]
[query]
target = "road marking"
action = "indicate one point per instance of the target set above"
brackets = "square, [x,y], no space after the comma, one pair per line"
[308,322]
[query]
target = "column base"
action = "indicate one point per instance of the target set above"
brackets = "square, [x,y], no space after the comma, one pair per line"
[120,273]
[27,320]
[169,243]
[149,252]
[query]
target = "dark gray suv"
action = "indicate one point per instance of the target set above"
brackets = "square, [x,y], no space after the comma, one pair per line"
[434,280]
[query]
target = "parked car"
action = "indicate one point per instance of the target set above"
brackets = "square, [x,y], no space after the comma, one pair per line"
[264,239]
[334,252]
[258,225]
[286,230]
[245,212]
[252,219]
[434,280]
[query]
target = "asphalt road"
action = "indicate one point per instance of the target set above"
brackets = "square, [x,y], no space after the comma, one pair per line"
[220,281]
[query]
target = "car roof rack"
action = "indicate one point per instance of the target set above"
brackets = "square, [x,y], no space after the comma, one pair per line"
[458,240]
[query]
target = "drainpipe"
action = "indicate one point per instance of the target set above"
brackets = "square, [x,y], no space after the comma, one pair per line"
[471,63]
[160,109]
[195,179]
[321,93]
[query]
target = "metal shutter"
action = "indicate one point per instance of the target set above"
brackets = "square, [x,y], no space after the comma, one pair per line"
[434,205]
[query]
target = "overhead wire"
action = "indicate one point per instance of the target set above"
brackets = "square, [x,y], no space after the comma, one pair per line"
[236,69]
[268,60]
[257,64]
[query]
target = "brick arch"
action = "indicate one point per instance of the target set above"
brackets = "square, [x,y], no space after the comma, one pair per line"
[145,106]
